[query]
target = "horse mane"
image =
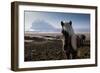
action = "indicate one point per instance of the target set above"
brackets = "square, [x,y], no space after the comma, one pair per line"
[74,41]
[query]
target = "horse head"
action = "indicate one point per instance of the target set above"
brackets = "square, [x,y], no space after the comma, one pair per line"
[67,29]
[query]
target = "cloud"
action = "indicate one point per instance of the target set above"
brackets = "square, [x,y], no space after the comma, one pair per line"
[43,26]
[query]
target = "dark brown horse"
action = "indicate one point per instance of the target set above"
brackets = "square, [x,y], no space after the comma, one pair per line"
[71,41]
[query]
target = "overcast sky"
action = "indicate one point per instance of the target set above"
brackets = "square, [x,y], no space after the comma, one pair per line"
[51,21]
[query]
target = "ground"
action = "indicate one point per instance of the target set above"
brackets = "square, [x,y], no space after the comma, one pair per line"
[43,47]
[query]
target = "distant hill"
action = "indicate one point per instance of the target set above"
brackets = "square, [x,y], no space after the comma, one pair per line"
[54,34]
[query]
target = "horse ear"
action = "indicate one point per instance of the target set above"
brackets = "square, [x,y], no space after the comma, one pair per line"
[70,22]
[62,23]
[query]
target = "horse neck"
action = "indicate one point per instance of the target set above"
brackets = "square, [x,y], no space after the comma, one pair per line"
[67,39]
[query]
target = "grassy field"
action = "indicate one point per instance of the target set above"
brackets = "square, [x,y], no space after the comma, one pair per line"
[49,48]
[84,51]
